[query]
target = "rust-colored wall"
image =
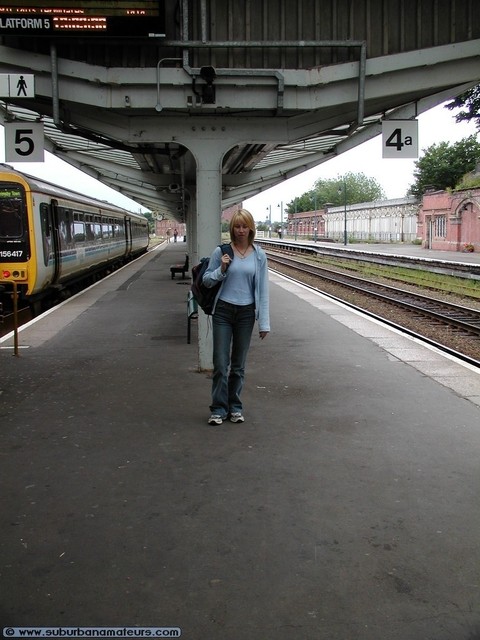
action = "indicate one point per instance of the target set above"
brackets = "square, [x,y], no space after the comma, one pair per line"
[461,220]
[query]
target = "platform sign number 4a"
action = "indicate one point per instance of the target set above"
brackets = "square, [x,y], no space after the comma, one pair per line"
[24,142]
[400,138]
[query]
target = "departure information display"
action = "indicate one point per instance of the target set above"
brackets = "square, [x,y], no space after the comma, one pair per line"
[130,18]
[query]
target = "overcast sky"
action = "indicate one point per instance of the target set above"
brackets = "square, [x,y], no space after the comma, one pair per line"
[55,170]
[395,176]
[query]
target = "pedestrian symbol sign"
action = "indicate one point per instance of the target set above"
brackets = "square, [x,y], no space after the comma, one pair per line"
[21,87]
[17,85]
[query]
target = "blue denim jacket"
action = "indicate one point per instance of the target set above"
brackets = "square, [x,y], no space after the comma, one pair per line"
[214,274]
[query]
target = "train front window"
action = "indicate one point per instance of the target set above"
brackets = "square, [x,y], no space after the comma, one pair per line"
[13,219]
[14,240]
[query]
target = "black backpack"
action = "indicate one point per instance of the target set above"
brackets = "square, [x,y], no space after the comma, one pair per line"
[205,296]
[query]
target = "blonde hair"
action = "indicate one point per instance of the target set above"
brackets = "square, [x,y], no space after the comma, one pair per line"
[245,217]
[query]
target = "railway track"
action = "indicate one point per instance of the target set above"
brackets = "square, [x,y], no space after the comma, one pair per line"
[467,271]
[25,314]
[450,327]
[7,323]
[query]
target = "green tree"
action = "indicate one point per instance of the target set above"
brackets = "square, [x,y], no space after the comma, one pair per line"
[305,202]
[357,187]
[151,222]
[443,165]
[469,102]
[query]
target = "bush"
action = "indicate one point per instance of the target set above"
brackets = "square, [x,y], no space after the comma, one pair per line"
[468,181]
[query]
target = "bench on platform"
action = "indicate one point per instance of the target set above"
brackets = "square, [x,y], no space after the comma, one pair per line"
[179,268]
[192,313]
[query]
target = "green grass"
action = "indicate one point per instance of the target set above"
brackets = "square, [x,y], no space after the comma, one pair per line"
[425,279]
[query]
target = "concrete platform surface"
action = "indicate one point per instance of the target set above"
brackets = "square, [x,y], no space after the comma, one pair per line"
[401,249]
[345,508]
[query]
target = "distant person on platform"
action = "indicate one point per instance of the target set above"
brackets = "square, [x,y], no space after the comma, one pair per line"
[242,299]
[169,233]
[175,234]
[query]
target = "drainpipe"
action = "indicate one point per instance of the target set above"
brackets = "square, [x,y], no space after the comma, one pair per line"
[55,93]
[194,72]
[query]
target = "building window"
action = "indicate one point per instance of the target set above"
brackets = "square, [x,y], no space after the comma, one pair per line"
[440,229]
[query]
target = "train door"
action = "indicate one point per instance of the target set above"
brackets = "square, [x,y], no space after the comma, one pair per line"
[55,240]
[128,236]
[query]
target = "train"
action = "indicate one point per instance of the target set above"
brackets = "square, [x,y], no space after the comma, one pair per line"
[53,238]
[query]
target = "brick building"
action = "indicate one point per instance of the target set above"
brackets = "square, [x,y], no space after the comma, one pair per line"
[165,228]
[450,221]
[228,213]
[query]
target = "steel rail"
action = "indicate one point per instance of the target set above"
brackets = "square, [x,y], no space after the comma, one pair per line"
[463,319]
[418,336]
[458,269]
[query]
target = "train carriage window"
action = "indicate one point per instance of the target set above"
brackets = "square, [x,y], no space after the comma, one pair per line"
[89,231]
[46,232]
[98,228]
[45,221]
[138,231]
[65,226]
[119,231]
[78,231]
[12,213]
[78,227]
[107,231]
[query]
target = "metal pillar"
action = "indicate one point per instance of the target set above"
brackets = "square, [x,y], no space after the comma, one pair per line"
[208,141]
[207,225]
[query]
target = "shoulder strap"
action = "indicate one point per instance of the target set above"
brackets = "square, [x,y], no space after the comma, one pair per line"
[227,248]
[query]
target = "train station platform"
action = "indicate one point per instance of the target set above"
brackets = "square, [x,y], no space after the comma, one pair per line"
[344,508]
[401,249]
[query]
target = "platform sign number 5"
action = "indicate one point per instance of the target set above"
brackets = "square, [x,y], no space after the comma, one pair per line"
[24,142]
[400,138]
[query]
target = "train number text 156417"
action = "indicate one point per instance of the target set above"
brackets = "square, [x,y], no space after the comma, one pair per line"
[11,254]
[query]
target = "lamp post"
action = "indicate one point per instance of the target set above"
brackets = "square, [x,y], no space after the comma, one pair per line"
[295,220]
[345,241]
[316,217]
[325,208]
[281,218]
[269,208]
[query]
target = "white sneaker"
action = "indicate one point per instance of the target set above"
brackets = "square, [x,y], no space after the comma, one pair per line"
[236,416]
[215,419]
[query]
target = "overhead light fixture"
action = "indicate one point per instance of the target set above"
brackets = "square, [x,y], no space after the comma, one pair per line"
[208,74]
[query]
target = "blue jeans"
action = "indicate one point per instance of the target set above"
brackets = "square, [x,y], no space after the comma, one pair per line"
[232,331]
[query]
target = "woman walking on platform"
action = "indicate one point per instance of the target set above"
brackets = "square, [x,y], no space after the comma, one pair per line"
[242,299]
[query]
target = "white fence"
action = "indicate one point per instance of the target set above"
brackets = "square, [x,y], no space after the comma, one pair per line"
[380,221]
